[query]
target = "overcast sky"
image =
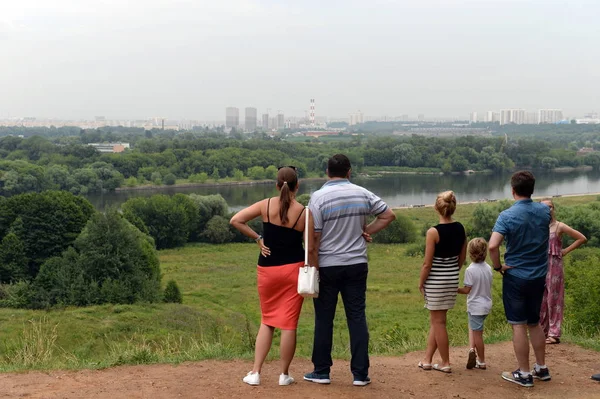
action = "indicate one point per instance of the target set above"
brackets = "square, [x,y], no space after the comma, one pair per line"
[192,58]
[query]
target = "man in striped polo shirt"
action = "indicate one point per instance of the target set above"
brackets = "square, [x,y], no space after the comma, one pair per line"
[340,211]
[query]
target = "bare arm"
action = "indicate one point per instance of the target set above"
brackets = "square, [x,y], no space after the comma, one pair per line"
[431,239]
[313,249]
[494,247]
[464,290]
[240,220]
[381,221]
[463,254]
[579,238]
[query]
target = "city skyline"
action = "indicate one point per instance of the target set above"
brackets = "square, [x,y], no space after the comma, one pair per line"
[74,59]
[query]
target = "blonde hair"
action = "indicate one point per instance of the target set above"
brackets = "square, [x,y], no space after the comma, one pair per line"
[445,203]
[477,248]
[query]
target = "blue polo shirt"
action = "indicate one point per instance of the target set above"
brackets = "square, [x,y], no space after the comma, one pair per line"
[525,227]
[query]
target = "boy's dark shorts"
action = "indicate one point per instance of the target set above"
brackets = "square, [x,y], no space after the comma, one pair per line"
[522,299]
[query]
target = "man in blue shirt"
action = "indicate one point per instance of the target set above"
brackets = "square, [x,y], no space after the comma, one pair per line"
[525,229]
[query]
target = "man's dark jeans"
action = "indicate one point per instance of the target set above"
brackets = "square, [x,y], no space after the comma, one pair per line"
[351,282]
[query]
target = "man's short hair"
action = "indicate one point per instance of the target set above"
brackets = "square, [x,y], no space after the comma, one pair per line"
[338,166]
[523,182]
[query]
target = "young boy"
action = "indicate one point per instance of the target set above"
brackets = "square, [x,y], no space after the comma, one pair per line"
[478,287]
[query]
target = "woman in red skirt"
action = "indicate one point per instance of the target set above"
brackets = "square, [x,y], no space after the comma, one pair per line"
[281,255]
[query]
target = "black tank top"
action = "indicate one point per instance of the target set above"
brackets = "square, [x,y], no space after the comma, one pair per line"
[285,243]
[452,238]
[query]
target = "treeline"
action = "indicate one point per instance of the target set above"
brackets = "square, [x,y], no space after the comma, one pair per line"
[55,249]
[67,163]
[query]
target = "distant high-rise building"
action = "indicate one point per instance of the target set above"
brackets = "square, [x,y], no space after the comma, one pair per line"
[250,119]
[515,116]
[550,115]
[473,117]
[421,117]
[280,121]
[356,118]
[232,117]
[404,118]
[265,121]
[531,118]
[312,112]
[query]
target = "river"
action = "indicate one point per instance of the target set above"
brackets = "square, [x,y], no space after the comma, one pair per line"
[396,189]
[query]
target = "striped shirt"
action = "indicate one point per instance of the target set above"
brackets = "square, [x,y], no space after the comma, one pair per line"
[340,211]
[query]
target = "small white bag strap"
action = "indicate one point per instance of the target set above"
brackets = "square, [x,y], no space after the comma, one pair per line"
[306,237]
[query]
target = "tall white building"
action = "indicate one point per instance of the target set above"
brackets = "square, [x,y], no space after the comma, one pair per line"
[356,118]
[473,117]
[550,115]
[531,118]
[515,116]
[250,119]
[232,117]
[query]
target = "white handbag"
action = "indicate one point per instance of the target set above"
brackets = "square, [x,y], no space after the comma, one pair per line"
[308,276]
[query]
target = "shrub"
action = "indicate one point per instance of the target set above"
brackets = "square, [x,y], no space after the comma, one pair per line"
[198,178]
[582,286]
[415,250]
[169,179]
[217,231]
[16,295]
[209,206]
[172,293]
[304,199]
[111,262]
[46,223]
[399,231]
[271,172]
[257,173]
[167,218]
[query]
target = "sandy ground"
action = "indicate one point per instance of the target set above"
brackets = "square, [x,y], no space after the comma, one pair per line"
[393,377]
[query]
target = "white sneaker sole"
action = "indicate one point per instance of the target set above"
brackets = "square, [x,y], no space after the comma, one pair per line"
[318,381]
[361,383]
[287,382]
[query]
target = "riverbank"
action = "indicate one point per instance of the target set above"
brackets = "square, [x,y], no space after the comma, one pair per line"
[209,184]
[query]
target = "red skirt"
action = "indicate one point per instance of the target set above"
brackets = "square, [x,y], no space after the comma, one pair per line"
[280,303]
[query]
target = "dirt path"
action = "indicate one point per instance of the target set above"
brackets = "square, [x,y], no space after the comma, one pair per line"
[397,377]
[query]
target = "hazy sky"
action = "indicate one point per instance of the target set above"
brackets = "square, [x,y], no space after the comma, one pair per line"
[192,58]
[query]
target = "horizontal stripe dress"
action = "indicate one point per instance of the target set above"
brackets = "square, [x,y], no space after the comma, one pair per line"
[442,283]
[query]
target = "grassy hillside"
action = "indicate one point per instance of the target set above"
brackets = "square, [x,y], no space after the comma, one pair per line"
[220,314]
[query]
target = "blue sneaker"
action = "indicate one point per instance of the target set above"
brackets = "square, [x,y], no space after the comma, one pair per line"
[318,378]
[542,374]
[361,383]
[518,378]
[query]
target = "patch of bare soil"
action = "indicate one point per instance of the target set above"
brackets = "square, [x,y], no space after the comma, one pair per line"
[393,377]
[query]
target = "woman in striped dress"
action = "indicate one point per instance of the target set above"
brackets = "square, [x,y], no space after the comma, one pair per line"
[445,252]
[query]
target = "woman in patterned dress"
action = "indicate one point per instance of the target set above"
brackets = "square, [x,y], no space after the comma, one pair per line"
[445,252]
[553,304]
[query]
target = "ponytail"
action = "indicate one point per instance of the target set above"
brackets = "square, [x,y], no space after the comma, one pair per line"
[285,200]
[287,182]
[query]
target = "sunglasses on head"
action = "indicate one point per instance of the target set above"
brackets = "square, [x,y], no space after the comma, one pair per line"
[289,166]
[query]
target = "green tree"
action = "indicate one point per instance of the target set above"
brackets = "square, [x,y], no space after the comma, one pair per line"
[169,179]
[14,265]
[111,261]
[217,230]
[401,230]
[46,223]
[166,218]
[257,173]
[271,172]
[172,293]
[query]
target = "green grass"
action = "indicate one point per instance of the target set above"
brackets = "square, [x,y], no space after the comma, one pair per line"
[220,314]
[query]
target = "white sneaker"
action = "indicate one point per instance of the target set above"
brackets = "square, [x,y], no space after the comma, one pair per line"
[285,379]
[252,378]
